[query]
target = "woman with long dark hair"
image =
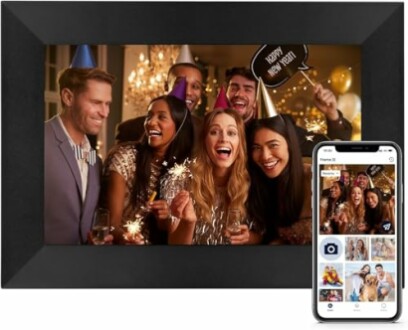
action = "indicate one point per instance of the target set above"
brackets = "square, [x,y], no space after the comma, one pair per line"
[357,282]
[280,183]
[133,171]
[330,208]
[379,215]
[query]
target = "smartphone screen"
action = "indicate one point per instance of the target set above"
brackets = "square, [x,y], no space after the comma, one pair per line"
[357,231]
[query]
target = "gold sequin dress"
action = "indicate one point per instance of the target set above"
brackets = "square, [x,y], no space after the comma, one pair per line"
[122,160]
[213,232]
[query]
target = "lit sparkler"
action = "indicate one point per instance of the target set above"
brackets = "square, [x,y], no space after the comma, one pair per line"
[134,227]
[179,171]
[176,179]
[316,126]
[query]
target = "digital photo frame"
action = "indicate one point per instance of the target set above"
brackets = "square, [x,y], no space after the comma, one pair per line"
[29,26]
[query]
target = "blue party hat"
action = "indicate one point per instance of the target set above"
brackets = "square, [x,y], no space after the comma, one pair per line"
[83,58]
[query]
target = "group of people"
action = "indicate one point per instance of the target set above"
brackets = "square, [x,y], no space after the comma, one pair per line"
[384,283]
[331,295]
[238,160]
[356,209]
[383,249]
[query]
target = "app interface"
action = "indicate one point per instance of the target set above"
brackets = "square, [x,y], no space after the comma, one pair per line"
[357,241]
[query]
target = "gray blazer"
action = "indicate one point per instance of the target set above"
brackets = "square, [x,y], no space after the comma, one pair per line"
[67,219]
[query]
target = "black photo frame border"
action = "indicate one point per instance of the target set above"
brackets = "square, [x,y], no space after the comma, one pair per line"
[28,26]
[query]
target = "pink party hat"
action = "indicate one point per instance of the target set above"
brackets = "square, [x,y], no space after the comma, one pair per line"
[179,89]
[221,102]
[83,58]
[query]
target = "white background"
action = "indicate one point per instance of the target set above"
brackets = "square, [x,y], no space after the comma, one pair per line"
[167,309]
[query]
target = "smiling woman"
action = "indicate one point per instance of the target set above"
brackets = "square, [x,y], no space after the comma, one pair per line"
[133,170]
[279,195]
[220,185]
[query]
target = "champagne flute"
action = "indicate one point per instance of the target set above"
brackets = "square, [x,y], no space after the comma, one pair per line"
[234,219]
[100,226]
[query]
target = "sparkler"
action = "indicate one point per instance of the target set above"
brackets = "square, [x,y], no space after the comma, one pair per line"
[134,227]
[179,171]
[316,127]
[176,179]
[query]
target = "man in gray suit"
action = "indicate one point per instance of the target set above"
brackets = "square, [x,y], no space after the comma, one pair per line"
[72,169]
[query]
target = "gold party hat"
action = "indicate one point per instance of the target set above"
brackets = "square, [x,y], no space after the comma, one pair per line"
[265,106]
[370,183]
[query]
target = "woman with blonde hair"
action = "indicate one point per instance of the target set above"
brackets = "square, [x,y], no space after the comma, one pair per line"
[352,218]
[360,252]
[220,185]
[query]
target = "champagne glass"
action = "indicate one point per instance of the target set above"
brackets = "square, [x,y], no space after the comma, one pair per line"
[234,221]
[100,226]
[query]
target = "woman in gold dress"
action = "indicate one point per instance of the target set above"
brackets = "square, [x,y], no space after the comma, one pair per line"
[133,170]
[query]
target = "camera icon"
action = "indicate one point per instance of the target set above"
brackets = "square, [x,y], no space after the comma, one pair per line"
[331,248]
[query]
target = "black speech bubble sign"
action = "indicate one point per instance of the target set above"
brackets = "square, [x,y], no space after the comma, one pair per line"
[275,64]
[374,170]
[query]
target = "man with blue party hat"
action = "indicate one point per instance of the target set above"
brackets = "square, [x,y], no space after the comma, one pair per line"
[71,166]
[83,58]
[184,68]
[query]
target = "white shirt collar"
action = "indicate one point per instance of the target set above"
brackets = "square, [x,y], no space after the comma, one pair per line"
[85,144]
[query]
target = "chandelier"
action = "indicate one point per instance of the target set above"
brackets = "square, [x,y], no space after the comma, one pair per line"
[147,80]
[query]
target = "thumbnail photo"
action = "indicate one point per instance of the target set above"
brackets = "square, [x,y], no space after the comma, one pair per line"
[331,295]
[382,248]
[331,275]
[357,248]
[370,282]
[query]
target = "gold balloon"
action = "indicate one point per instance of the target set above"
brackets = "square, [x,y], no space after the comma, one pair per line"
[356,128]
[341,79]
[356,123]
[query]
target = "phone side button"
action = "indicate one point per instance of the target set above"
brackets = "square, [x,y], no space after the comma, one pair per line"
[311,201]
[402,193]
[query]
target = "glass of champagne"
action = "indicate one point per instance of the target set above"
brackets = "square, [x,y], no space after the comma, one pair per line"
[100,226]
[234,219]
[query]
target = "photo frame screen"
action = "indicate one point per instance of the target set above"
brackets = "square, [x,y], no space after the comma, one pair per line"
[27,262]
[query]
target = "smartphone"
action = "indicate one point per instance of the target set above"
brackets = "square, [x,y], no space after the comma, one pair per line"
[357,231]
